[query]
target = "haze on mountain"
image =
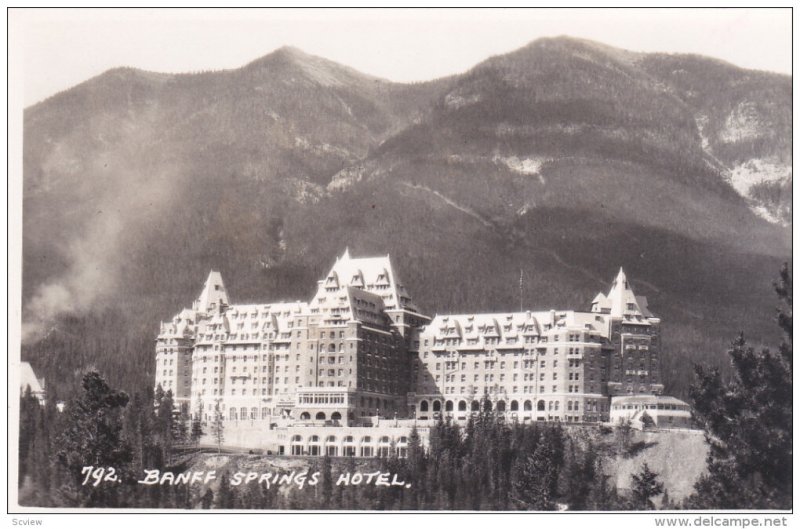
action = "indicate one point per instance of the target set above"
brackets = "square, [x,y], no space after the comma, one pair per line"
[563,160]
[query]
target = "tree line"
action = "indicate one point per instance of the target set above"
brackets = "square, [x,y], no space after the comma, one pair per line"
[488,464]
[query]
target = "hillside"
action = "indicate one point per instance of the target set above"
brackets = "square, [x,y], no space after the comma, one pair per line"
[565,159]
[678,457]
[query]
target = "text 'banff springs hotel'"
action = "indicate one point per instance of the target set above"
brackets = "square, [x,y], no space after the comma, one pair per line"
[360,350]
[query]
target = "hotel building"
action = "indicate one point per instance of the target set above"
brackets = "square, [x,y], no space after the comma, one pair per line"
[361,351]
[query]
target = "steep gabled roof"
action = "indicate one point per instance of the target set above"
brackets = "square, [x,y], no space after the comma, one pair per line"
[28,378]
[621,301]
[372,274]
[213,294]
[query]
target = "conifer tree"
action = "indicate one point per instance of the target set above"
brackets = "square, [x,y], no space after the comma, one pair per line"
[207,500]
[580,477]
[536,478]
[645,486]
[224,497]
[93,437]
[166,424]
[666,501]
[602,496]
[327,483]
[218,428]
[196,430]
[748,423]
[28,412]
[647,421]
[416,468]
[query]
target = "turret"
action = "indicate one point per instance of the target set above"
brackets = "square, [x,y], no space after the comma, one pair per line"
[213,297]
[621,301]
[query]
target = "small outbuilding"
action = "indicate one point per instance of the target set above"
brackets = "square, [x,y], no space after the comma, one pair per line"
[658,411]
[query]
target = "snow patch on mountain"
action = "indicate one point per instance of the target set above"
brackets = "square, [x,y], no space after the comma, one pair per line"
[766,214]
[455,101]
[347,177]
[744,177]
[531,166]
[756,171]
[320,148]
[304,192]
[742,123]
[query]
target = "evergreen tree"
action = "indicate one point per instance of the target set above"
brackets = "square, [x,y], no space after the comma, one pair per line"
[180,433]
[41,460]
[196,431]
[580,477]
[647,421]
[218,428]
[93,438]
[327,483]
[666,501]
[207,500]
[166,424]
[602,496]
[224,496]
[28,412]
[415,464]
[644,486]
[536,478]
[748,423]
[624,436]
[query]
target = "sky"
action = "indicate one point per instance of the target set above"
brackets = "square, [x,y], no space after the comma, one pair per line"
[61,48]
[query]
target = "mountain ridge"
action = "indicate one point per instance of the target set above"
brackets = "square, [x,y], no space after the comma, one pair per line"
[561,160]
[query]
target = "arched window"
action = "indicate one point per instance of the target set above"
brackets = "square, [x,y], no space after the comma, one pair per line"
[264,413]
[330,446]
[314,445]
[540,405]
[527,406]
[384,446]
[233,414]
[487,405]
[243,414]
[349,446]
[437,405]
[320,416]
[366,446]
[253,413]
[475,406]
[514,405]
[501,405]
[297,445]
[336,416]
[423,405]
[448,406]
[305,416]
[462,405]
[402,447]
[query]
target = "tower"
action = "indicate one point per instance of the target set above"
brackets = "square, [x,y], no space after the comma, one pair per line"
[635,335]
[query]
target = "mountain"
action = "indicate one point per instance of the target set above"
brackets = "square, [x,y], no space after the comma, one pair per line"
[744,120]
[110,162]
[560,161]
